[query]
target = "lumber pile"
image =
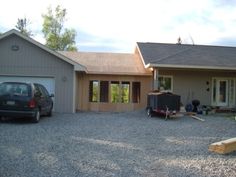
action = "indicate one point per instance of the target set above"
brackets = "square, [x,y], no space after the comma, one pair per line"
[223,147]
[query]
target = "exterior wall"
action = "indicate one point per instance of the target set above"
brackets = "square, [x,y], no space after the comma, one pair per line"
[83,103]
[192,84]
[30,60]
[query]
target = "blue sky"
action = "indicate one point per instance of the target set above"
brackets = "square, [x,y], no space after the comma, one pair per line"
[116,25]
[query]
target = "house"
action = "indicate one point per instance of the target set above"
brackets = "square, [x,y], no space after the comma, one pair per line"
[206,73]
[89,81]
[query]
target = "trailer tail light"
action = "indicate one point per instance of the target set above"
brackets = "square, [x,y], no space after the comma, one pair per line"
[32,103]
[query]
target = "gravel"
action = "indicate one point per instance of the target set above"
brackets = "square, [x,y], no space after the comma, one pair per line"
[115,144]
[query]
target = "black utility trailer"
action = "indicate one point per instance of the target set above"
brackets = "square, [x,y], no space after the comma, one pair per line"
[162,104]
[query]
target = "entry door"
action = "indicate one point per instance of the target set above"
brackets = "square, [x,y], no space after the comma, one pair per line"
[222,95]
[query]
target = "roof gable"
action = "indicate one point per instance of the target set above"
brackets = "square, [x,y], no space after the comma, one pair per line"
[77,66]
[188,56]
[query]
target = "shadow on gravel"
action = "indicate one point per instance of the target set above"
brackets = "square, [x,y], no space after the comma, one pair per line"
[22,120]
[8,120]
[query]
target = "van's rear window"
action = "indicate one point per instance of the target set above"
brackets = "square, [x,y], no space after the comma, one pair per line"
[17,89]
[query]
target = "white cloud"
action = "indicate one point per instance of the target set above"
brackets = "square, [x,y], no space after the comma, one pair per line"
[124,22]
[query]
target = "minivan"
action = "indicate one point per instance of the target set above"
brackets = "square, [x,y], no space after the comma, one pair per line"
[22,99]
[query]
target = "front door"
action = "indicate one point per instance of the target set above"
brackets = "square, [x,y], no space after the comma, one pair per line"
[222,92]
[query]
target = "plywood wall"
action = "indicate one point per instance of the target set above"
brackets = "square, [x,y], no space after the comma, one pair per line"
[82,93]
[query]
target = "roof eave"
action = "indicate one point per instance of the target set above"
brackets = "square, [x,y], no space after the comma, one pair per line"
[189,67]
[119,73]
[78,67]
[140,54]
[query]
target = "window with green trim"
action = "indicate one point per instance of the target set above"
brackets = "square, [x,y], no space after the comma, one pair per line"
[125,92]
[115,92]
[93,91]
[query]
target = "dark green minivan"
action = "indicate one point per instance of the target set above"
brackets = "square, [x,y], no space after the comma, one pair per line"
[20,99]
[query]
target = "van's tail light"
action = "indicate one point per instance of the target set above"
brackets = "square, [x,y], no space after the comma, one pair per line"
[32,103]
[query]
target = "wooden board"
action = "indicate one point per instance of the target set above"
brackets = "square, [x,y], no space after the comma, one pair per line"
[198,118]
[223,147]
[176,115]
[191,113]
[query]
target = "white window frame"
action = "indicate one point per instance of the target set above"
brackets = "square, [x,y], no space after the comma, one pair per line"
[229,103]
[166,76]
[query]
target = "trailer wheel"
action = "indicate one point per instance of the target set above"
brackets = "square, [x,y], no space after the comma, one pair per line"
[149,112]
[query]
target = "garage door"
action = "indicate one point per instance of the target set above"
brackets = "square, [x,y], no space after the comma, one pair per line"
[49,83]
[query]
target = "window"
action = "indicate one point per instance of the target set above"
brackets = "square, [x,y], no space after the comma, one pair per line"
[115,91]
[165,83]
[14,89]
[136,92]
[44,92]
[38,92]
[104,85]
[125,92]
[93,91]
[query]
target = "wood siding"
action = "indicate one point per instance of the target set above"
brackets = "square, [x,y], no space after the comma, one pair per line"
[31,60]
[82,97]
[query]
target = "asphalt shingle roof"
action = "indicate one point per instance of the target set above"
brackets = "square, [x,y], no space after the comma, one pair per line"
[187,55]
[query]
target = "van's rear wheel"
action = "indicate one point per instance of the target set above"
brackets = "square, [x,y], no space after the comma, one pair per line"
[36,117]
[49,114]
[149,112]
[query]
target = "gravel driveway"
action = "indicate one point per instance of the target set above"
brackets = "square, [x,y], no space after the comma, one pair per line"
[115,144]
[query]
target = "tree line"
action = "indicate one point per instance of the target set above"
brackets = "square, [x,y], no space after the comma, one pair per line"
[56,35]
